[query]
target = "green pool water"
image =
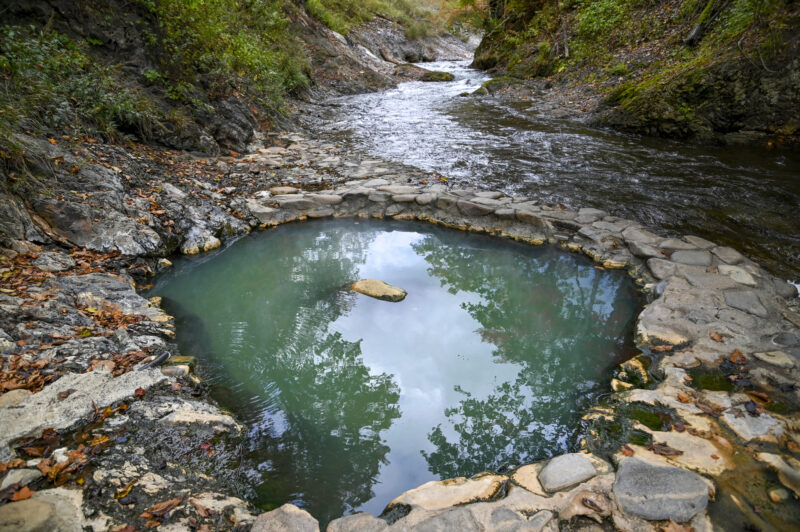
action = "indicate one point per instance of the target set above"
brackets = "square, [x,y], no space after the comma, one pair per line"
[349,401]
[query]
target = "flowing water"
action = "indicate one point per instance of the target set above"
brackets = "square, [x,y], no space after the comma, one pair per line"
[349,401]
[747,198]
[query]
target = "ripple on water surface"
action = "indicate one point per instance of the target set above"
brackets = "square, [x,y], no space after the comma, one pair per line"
[747,198]
[350,400]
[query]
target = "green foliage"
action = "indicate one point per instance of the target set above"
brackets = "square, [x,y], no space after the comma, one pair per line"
[619,69]
[597,18]
[227,45]
[417,16]
[51,83]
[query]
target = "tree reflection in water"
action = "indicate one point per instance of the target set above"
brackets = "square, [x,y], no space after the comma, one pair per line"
[560,318]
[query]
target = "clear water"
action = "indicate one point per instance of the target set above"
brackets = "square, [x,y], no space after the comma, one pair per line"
[349,401]
[748,198]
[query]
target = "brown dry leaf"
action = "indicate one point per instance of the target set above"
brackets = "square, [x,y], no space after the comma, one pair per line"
[202,511]
[710,410]
[679,427]
[716,337]
[792,446]
[99,440]
[152,523]
[663,449]
[715,457]
[662,348]
[684,398]
[759,397]
[165,506]
[52,141]
[22,494]
[626,450]
[737,358]
[672,526]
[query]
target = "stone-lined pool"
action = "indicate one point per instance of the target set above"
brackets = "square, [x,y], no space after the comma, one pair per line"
[349,401]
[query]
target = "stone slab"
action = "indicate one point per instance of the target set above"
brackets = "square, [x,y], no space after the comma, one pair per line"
[565,471]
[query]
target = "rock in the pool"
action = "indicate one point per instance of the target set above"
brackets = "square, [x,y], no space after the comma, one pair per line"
[380,290]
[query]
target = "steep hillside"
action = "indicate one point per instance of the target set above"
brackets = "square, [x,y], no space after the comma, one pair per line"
[724,70]
[193,75]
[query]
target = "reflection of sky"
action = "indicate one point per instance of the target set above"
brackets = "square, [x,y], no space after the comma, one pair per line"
[266,307]
[414,341]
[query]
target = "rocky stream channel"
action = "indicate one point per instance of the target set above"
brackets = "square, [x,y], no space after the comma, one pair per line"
[99,431]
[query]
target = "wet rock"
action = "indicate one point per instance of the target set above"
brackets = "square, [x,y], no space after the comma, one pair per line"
[199,239]
[426,198]
[434,76]
[380,290]
[46,409]
[761,427]
[287,518]
[778,495]
[787,339]
[643,250]
[361,522]
[565,471]
[692,258]
[262,212]
[659,493]
[21,476]
[674,244]
[178,411]
[788,470]
[701,243]
[728,255]
[777,358]
[438,494]
[327,199]
[747,301]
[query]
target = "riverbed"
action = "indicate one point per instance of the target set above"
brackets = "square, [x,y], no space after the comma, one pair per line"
[745,197]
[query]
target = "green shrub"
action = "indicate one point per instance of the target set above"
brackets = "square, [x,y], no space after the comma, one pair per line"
[51,82]
[599,17]
[228,45]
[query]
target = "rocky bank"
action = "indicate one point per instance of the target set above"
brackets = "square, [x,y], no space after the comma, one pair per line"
[103,442]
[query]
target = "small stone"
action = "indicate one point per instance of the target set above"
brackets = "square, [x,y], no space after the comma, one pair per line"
[675,244]
[776,358]
[737,274]
[287,518]
[659,493]
[163,264]
[54,262]
[778,495]
[692,258]
[746,301]
[701,243]
[565,471]
[426,198]
[661,268]
[728,255]
[283,190]
[175,371]
[398,189]
[21,476]
[380,290]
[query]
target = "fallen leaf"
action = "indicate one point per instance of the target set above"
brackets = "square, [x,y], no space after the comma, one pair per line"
[53,141]
[126,490]
[140,392]
[163,507]
[661,348]
[679,427]
[716,337]
[684,398]
[715,457]
[737,358]
[672,526]
[202,511]
[759,397]
[663,449]
[626,450]
[22,494]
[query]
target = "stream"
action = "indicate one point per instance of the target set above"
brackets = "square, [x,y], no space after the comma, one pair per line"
[746,198]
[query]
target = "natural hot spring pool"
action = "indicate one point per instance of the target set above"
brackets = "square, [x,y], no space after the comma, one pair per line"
[349,401]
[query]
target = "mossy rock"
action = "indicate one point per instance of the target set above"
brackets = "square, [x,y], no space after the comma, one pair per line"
[496,84]
[436,76]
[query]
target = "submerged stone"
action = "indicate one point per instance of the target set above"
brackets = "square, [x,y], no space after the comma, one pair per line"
[380,290]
